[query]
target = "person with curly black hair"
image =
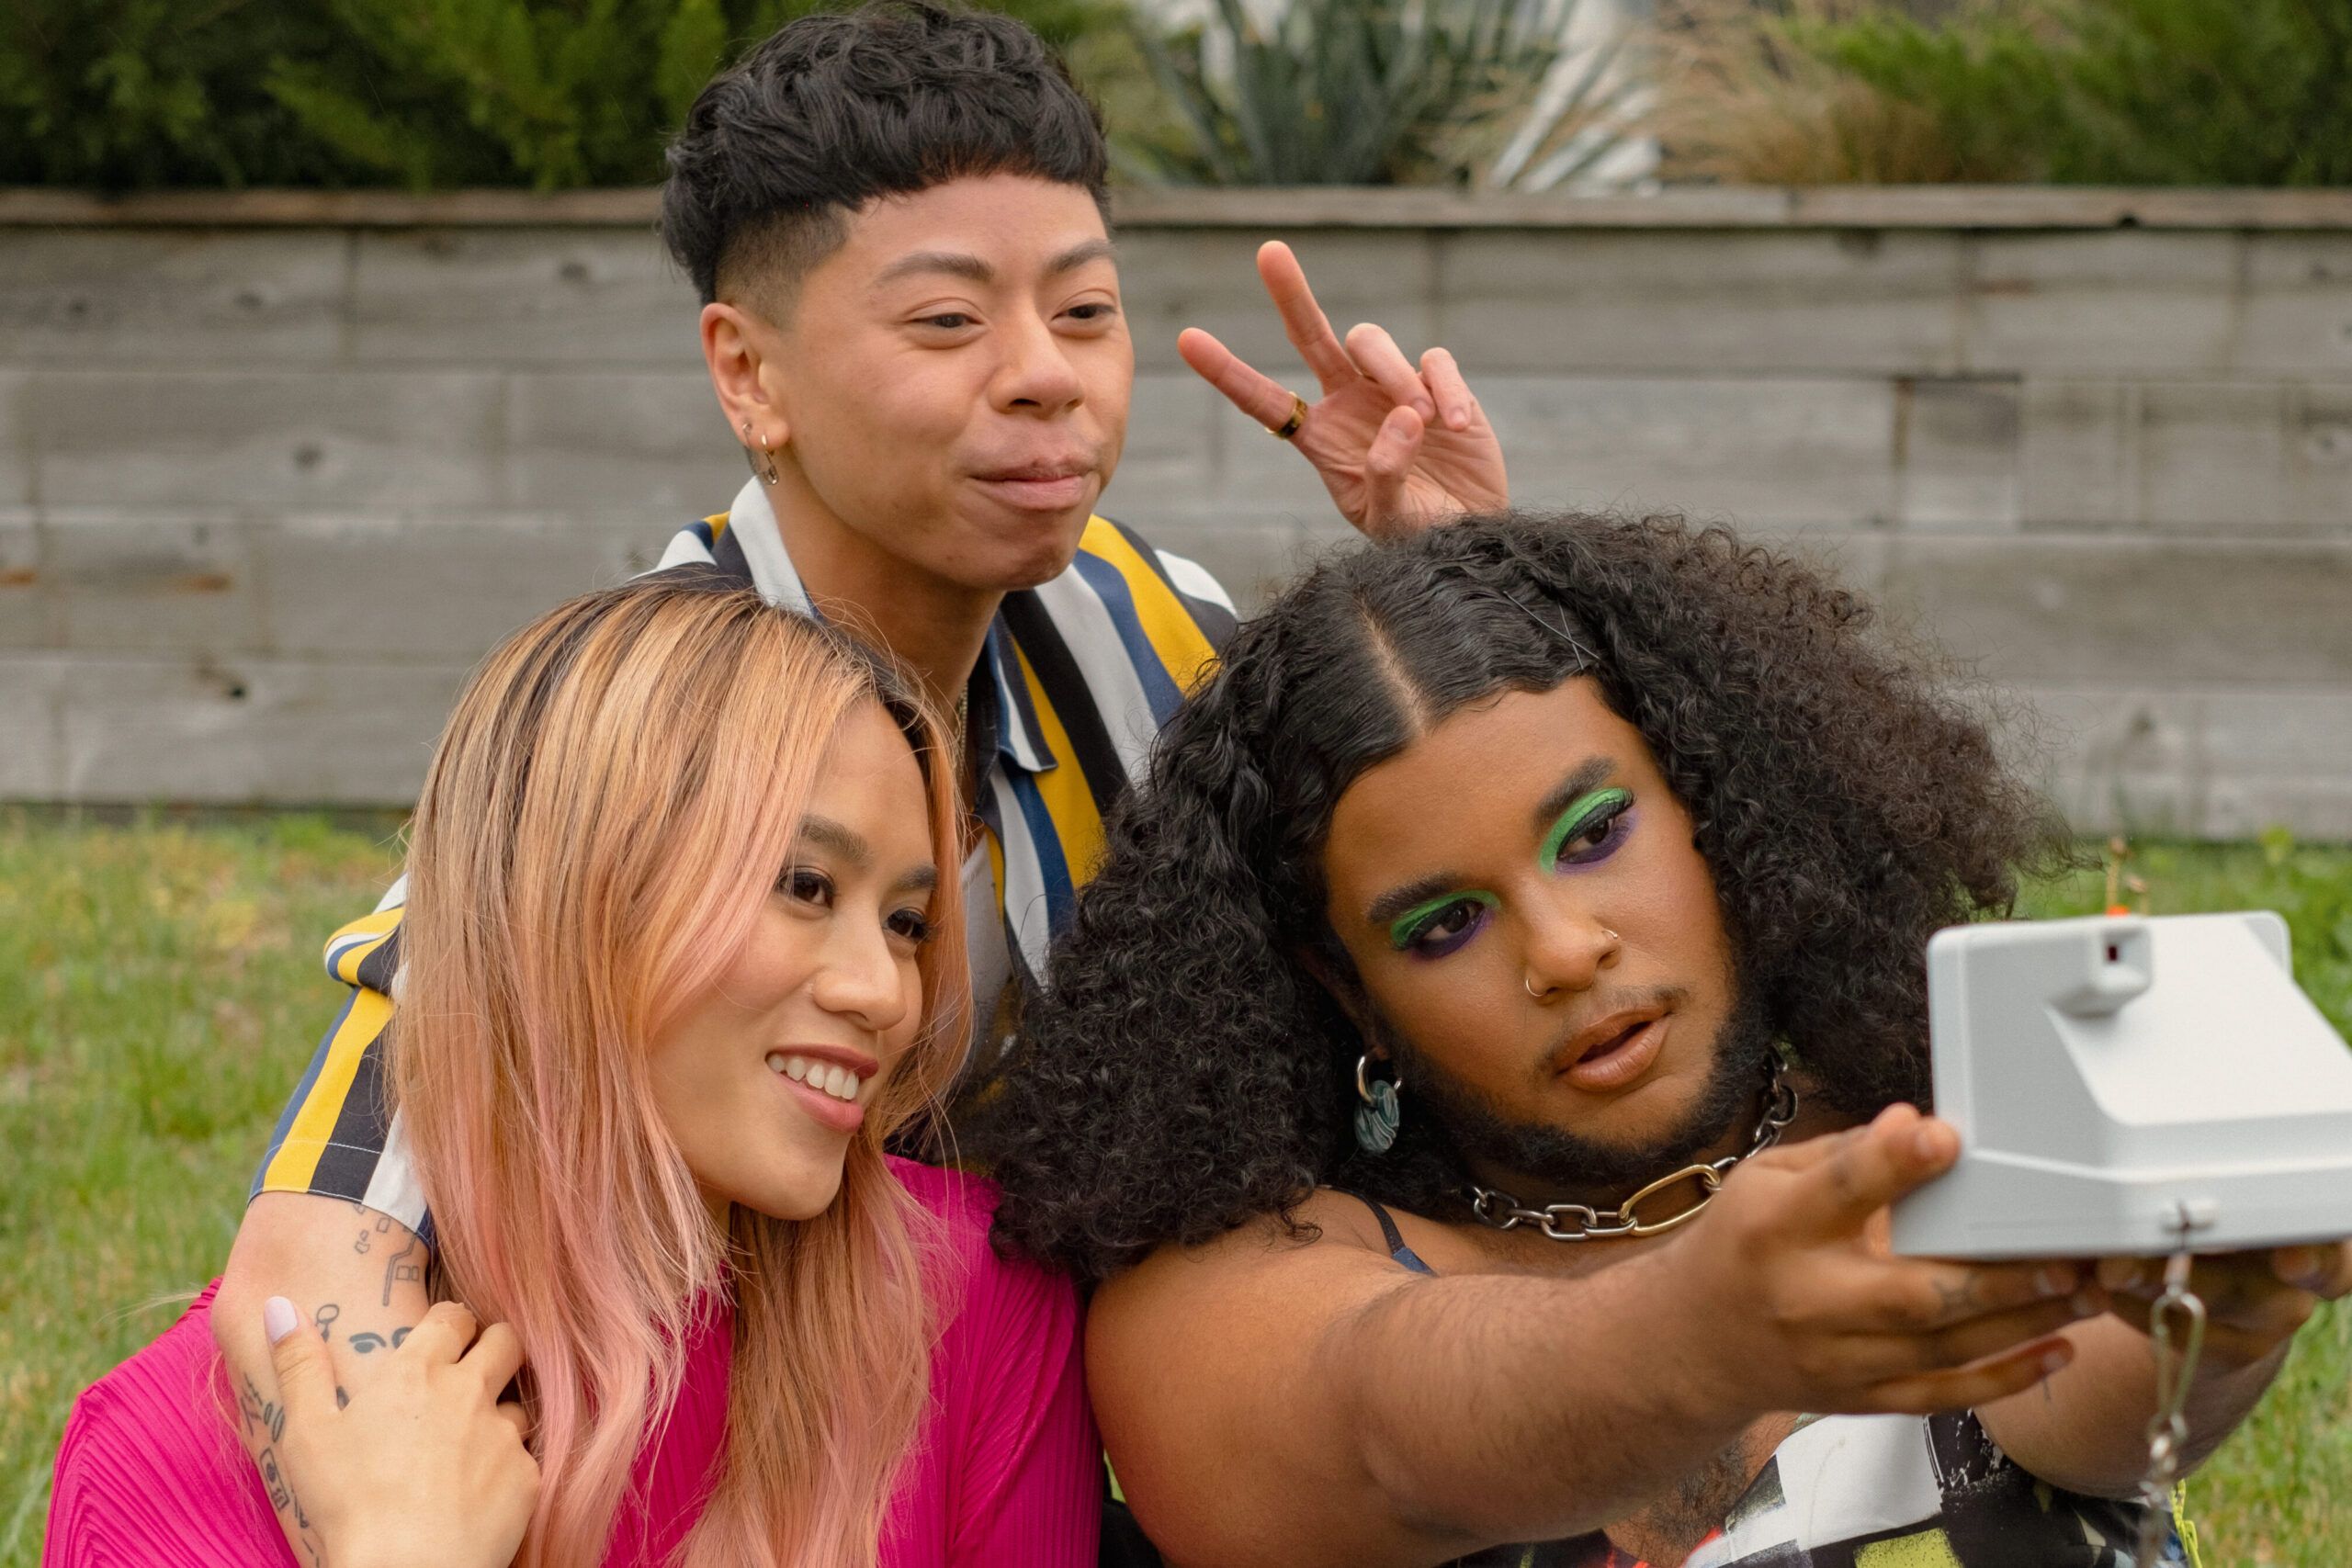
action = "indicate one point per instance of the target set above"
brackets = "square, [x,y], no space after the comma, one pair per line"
[1477,1077]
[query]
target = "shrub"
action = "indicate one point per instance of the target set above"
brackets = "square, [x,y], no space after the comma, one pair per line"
[427,93]
[2069,92]
[1376,92]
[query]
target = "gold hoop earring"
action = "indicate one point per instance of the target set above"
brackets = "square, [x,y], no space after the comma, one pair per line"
[766,468]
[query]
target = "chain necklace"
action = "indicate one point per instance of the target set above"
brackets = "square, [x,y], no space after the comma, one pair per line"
[1578,1221]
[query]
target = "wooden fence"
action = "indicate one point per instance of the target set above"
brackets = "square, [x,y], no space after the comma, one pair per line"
[275,468]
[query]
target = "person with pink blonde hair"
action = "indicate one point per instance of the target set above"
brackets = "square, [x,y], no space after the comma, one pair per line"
[682,958]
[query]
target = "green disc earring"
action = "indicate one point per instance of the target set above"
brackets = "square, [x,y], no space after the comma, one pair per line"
[1379,1116]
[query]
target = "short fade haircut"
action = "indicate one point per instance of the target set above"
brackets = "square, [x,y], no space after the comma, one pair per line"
[832,111]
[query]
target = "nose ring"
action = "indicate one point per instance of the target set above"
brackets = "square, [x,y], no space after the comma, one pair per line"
[1528,985]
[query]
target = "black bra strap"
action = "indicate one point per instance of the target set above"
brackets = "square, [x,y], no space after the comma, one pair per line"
[1389,1231]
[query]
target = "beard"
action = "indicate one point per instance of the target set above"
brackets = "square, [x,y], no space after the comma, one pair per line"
[1558,1159]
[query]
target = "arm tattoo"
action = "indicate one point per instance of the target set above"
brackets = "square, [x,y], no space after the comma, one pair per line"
[382,1226]
[400,1270]
[280,1497]
[324,1318]
[260,1412]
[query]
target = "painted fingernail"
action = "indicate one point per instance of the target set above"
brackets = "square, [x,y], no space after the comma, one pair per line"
[277,1319]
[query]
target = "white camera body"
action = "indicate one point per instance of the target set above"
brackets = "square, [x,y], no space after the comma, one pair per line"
[2118,1080]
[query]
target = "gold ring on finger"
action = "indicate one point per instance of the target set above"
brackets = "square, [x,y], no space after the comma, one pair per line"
[1289,427]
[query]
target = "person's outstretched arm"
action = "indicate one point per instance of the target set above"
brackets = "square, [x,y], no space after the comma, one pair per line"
[1266,1401]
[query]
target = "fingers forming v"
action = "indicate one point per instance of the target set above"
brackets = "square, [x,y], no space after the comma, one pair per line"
[1256,394]
[1304,323]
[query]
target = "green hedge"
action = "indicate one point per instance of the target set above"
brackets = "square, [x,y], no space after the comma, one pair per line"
[422,94]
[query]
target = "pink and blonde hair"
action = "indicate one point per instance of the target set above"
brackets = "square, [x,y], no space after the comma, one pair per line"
[607,811]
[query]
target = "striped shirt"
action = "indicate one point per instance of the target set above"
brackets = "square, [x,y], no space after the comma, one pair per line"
[1076,679]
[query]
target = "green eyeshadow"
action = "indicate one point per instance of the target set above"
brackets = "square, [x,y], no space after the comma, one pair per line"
[1578,819]
[1407,925]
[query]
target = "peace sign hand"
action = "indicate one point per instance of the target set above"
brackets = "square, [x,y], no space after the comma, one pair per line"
[1399,448]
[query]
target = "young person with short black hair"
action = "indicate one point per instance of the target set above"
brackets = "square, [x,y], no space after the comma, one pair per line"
[912,321]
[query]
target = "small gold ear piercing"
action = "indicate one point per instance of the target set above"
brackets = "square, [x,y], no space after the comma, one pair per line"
[765,466]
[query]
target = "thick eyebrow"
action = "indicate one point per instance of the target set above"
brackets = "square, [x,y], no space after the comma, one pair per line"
[1078,256]
[957,262]
[828,834]
[1382,912]
[961,264]
[1582,780]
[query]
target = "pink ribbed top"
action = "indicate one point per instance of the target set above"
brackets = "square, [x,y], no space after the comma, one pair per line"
[1006,1469]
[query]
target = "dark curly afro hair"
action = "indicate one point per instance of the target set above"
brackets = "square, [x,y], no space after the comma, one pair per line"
[1185,1072]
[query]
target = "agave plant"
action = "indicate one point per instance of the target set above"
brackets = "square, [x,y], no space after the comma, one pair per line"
[1376,92]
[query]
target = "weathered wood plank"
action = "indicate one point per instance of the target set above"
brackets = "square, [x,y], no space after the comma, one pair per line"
[35,206]
[177,439]
[2079,452]
[2213,455]
[1176,428]
[27,607]
[30,766]
[2220,763]
[521,298]
[1172,279]
[16,441]
[2097,304]
[2227,457]
[2298,306]
[2166,612]
[375,587]
[636,445]
[1720,206]
[2319,456]
[1774,450]
[81,296]
[150,582]
[1772,303]
[1957,455]
[225,731]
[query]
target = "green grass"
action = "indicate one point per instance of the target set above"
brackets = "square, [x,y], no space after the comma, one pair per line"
[160,989]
